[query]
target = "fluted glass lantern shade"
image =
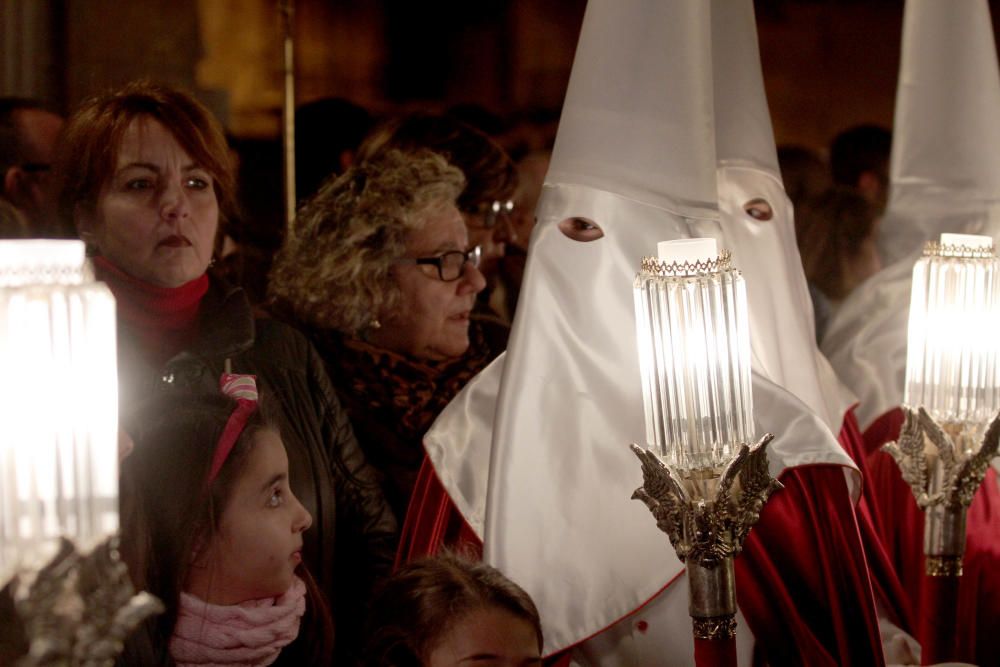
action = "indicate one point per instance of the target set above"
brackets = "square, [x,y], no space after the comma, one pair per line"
[954,333]
[58,404]
[694,354]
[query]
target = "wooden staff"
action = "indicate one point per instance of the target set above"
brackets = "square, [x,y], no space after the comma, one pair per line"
[287,9]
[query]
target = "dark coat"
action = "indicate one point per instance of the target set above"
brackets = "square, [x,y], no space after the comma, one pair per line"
[392,400]
[352,541]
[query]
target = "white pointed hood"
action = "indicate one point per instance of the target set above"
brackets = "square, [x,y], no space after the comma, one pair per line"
[945,173]
[635,155]
[637,119]
[945,166]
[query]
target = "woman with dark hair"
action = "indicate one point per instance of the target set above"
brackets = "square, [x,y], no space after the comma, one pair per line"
[212,529]
[447,611]
[145,175]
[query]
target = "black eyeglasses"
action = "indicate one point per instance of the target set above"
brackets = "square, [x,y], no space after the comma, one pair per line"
[451,264]
[491,212]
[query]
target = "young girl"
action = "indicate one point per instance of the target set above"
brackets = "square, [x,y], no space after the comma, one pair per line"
[448,611]
[211,527]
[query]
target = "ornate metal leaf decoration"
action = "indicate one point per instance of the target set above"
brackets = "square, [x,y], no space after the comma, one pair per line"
[756,486]
[908,452]
[945,445]
[969,475]
[665,497]
[708,530]
[80,608]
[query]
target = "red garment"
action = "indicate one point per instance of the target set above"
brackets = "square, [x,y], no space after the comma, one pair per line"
[163,320]
[802,580]
[888,587]
[977,637]
[433,522]
[882,430]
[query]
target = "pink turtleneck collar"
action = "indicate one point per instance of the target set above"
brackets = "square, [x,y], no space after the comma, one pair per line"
[250,633]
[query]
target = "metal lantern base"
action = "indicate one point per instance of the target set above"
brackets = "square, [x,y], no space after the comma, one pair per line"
[79,609]
[944,480]
[707,517]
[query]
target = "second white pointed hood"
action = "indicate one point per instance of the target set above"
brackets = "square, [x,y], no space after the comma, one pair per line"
[757,221]
[945,177]
[945,165]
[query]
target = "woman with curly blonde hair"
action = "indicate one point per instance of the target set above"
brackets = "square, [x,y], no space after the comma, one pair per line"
[378,271]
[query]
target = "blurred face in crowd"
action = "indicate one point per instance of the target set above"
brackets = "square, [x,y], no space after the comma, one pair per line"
[490,227]
[531,177]
[865,263]
[28,184]
[487,636]
[431,321]
[157,216]
[258,545]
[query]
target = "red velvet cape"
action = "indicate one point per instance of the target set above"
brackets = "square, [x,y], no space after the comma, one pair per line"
[802,580]
[977,637]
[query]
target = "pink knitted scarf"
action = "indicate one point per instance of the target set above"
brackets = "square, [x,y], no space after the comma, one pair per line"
[250,633]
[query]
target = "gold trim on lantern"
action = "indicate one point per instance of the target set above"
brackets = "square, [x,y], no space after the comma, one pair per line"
[943,566]
[936,249]
[720,627]
[654,267]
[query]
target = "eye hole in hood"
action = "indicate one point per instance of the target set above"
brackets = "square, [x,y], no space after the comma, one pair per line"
[581,229]
[759,209]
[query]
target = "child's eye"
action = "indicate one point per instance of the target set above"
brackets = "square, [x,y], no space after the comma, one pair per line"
[276,499]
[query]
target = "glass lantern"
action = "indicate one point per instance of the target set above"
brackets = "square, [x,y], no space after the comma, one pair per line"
[952,353]
[58,404]
[694,355]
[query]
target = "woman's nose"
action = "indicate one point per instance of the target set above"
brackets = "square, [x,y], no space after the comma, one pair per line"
[174,202]
[473,280]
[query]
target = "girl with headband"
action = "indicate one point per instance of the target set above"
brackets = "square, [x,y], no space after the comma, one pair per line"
[212,528]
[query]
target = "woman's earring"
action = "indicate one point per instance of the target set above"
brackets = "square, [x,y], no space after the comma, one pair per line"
[373,325]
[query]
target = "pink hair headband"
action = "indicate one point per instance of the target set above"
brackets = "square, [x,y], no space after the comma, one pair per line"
[244,389]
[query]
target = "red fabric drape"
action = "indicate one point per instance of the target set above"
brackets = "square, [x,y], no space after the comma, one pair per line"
[871,525]
[802,581]
[884,429]
[433,522]
[977,631]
